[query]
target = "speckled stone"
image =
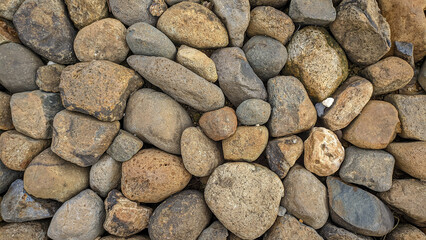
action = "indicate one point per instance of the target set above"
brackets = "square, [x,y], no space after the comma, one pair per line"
[35,230]
[48,77]
[409,157]
[130,12]
[288,227]
[105,175]
[85,12]
[332,232]
[124,146]
[253,112]
[312,12]
[219,124]
[282,153]
[215,231]
[7,176]
[5,113]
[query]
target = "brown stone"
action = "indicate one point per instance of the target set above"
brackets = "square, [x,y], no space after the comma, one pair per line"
[7,33]
[157,8]
[410,157]
[1,219]
[48,77]
[36,230]
[219,124]
[282,153]
[5,114]
[332,232]
[197,62]
[288,227]
[112,237]
[85,12]
[406,232]
[246,144]
[9,7]
[124,146]
[272,3]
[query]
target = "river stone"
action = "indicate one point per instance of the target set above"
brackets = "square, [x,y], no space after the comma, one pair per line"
[422,76]
[272,3]
[253,112]
[370,168]
[172,2]
[288,227]
[321,66]
[215,231]
[292,110]
[98,88]
[81,139]
[18,66]
[36,230]
[7,32]
[130,12]
[135,237]
[105,175]
[409,157]
[194,25]
[406,232]
[81,218]
[357,210]
[282,153]
[124,146]
[152,176]
[219,124]
[7,176]
[9,7]
[48,77]
[332,232]
[156,119]
[43,26]
[245,197]
[312,12]
[5,113]
[18,206]
[236,78]
[85,12]
[198,62]
[362,31]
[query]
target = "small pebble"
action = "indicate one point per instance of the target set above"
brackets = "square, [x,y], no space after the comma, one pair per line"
[219,124]
[105,175]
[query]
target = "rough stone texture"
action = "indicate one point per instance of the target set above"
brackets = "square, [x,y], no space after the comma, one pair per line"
[362,31]
[50,177]
[321,66]
[36,230]
[7,176]
[200,155]
[215,231]
[105,175]
[98,88]
[33,112]
[179,82]
[288,227]
[219,124]
[18,66]
[8,32]
[406,232]
[272,3]
[18,150]
[144,39]
[43,26]
[375,127]
[5,113]
[157,8]
[102,40]
[48,77]
[85,12]
[312,12]
[152,176]
[198,62]
[81,218]
[156,119]
[410,157]
[112,237]
[124,146]
[404,50]
[292,110]
[245,198]
[194,25]
[349,99]
[253,112]
[331,232]
[370,168]
[271,22]
[422,76]
[172,2]
[182,216]
[124,217]
[357,210]
[81,139]
[130,12]
[9,7]
[282,153]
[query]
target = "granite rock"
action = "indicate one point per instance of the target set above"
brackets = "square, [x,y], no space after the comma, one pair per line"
[124,146]
[85,12]
[105,175]
[288,227]
[312,12]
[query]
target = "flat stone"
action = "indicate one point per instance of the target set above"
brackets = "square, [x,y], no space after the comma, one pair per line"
[406,232]
[9,7]
[83,12]
[332,232]
[219,124]
[282,153]
[198,62]
[130,12]
[409,157]
[253,112]
[247,143]
[5,113]
[215,231]
[36,230]
[105,175]
[48,77]
[272,3]
[312,12]
[288,227]
[7,176]
[124,146]
[7,32]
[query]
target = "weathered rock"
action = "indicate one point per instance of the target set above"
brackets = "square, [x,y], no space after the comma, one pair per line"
[272,3]
[292,110]
[7,32]
[406,232]
[282,153]
[215,231]
[98,88]
[422,76]
[135,237]
[321,66]
[194,25]
[404,50]
[310,12]
[253,112]
[172,2]
[80,217]
[130,12]
[81,139]
[370,168]
[18,66]
[36,230]
[43,26]
[152,176]
[357,210]
[5,113]
[157,8]
[50,177]
[105,175]
[83,12]
[124,146]
[7,176]
[219,124]
[156,119]
[124,217]
[409,157]
[244,197]
[48,77]
[9,7]
[331,232]
[198,62]
[288,227]
[362,31]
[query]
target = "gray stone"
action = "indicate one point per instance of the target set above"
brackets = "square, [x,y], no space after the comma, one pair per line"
[253,111]
[272,3]
[124,146]
[405,51]
[48,77]
[7,176]
[105,175]
[216,231]
[312,12]
[331,232]
[6,122]
[282,153]
[9,7]
[288,227]
[133,11]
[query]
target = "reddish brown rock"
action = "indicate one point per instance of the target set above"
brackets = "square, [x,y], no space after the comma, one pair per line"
[48,77]
[5,113]
[7,33]
[282,153]
[83,12]
[219,124]
[410,157]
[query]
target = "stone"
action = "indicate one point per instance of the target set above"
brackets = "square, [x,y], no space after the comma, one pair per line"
[370,168]
[81,139]
[215,231]
[124,146]
[33,112]
[179,82]
[272,3]
[406,232]
[9,7]
[282,153]
[253,112]
[236,16]
[375,127]
[83,12]
[7,176]
[157,8]
[349,100]
[409,157]
[305,197]
[18,66]
[48,77]
[133,11]
[288,227]
[247,143]
[43,26]
[80,217]
[331,232]
[422,76]
[18,150]
[173,2]
[5,113]
[407,197]
[245,197]
[102,40]
[152,176]
[50,177]
[157,119]
[105,175]
[18,206]
[310,12]
[412,114]
[357,210]
[36,230]
[321,66]
[236,78]
[292,110]
[98,88]
[8,32]
[144,39]
[404,50]
[271,22]
[219,124]
[182,216]
[362,31]
[124,217]
[200,154]
[193,25]
[135,237]
[198,62]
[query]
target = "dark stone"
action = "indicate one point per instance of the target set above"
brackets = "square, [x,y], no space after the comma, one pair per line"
[405,50]
[7,176]
[331,232]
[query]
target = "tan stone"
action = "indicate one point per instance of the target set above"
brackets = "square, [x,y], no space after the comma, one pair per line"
[410,157]
[36,230]
[406,232]
[215,231]
[288,227]
[112,237]
[5,113]
[48,77]
[282,153]
[197,62]
[9,7]
[85,12]
[7,33]
[247,143]
[219,124]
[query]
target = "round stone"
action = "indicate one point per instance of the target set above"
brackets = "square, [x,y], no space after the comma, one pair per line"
[105,175]
[130,12]
[219,124]
[253,112]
